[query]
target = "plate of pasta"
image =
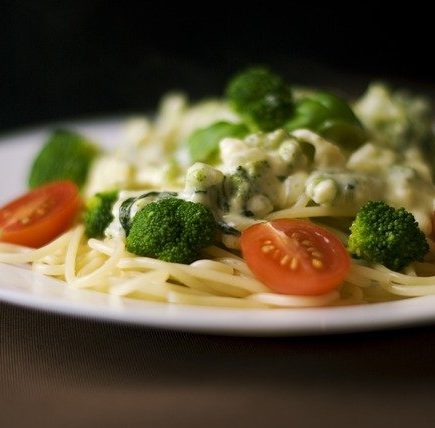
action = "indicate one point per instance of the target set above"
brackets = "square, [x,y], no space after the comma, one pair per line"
[273,210]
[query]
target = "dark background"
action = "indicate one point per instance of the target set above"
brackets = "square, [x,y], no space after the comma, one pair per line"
[64,59]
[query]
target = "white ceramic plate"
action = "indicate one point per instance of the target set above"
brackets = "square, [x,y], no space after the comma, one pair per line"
[22,287]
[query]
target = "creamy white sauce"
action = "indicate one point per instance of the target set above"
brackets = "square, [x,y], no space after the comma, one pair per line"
[115,229]
[277,169]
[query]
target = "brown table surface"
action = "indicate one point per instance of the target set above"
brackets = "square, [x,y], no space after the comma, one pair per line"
[58,371]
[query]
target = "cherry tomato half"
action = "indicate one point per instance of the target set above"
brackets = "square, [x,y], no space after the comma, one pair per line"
[37,217]
[295,256]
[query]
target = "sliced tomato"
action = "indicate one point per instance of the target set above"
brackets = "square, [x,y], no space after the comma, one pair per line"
[295,256]
[37,217]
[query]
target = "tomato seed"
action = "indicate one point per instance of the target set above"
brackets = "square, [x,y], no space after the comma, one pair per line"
[284,260]
[267,248]
[317,263]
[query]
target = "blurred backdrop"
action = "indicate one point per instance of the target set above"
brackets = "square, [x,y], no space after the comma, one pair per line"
[75,58]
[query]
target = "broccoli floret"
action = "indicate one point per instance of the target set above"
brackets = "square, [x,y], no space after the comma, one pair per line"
[98,213]
[171,229]
[261,97]
[65,156]
[383,234]
[203,144]
[130,206]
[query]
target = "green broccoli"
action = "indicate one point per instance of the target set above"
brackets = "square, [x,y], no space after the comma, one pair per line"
[203,144]
[171,229]
[383,234]
[261,97]
[126,213]
[98,213]
[65,156]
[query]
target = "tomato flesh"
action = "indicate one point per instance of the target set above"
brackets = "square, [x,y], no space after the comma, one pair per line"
[37,217]
[295,256]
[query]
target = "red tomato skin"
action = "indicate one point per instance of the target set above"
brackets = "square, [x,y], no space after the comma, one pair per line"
[305,279]
[57,202]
